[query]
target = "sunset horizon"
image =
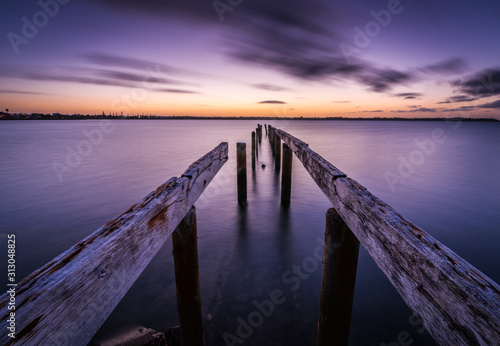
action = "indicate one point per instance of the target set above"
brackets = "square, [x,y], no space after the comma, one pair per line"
[251,59]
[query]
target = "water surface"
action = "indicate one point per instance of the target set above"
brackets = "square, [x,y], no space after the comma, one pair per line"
[452,192]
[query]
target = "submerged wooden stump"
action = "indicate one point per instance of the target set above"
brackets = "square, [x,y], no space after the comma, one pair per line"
[277,152]
[286,176]
[241,166]
[340,262]
[253,149]
[187,279]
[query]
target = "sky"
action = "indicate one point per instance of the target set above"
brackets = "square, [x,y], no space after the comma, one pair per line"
[367,58]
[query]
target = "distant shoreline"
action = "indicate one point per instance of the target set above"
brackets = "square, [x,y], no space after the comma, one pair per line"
[4,116]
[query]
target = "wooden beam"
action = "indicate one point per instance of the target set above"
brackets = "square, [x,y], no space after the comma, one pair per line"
[458,304]
[187,279]
[340,262]
[67,300]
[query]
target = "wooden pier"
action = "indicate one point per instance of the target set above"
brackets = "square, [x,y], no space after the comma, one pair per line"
[67,300]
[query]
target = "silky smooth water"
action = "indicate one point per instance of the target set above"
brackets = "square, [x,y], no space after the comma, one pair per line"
[443,176]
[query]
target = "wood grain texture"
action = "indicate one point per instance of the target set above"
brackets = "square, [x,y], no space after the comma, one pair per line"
[458,304]
[67,300]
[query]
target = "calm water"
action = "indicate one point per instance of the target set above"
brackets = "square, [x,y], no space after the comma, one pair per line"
[449,187]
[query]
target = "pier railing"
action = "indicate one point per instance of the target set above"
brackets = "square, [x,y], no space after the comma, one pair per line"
[458,304]
[67,300]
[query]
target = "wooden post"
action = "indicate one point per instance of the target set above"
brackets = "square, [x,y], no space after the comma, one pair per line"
[241,164]
[187,279]
[253,149]
[277,152]
[265,127]
[286,176]
[340,262]
[271,139]
[257,143]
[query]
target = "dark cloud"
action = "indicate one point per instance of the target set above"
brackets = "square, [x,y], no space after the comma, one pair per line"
[375,111]
[482,84]
[494,104]
[102,59]
[459,98]
[418,110]
[272,102]
[461,109]
[300,40]
[133,77]
[99,77]
[408,96]
[146,67]
[447,67]
[176,91]
[341,101]
[8,91]
[270,87]
[384,80]
[74,79]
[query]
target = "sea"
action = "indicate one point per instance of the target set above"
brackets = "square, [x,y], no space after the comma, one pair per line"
[61,180]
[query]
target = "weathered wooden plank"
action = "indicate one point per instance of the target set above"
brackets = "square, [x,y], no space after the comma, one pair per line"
[459,305]
[67,300]
[338,278]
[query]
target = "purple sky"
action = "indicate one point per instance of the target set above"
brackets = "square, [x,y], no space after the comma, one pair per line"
[295,58]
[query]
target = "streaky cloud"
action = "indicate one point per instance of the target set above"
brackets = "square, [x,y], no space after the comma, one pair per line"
[275,102]
[270,87]
[482,84]
[494,104]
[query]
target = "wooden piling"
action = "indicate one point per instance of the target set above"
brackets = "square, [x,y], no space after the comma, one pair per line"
[340,262]
[272,135]
[277,152]
[241,164]
[253,149]
[286,176]
[187,279]
[257,143]
[265,127]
